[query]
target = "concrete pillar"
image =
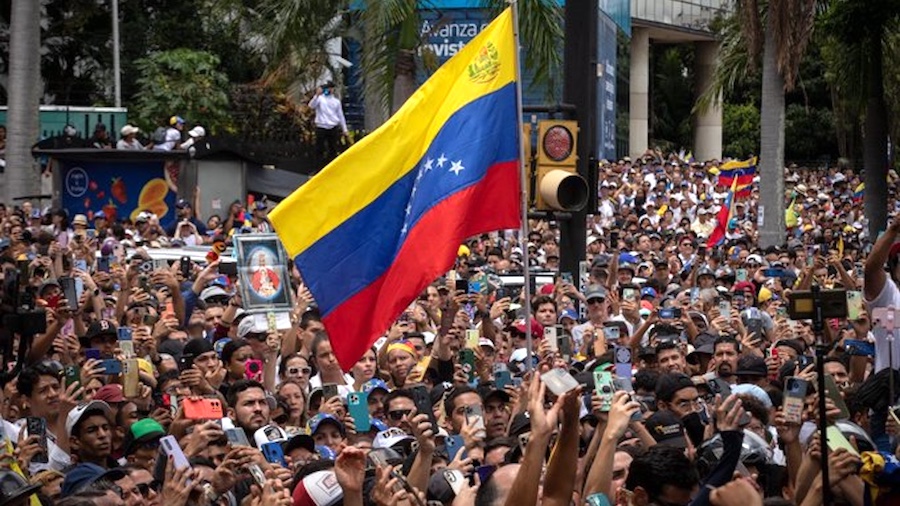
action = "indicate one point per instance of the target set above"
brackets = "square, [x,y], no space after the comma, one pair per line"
[639,93]
[708,123]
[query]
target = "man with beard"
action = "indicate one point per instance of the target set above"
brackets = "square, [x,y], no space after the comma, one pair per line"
[248,406]
[726,351]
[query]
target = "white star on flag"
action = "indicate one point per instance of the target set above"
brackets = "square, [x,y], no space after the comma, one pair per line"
[428,164]
[441,160]
[456,167]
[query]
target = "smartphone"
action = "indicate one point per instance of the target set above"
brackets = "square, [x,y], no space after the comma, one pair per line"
[725,308]
[467,361]
[563,344]
[719,386]
[834,393]
[566,277]
[613,239]
[422,400]
[629,294]
[454,444]
[472,337]
[67,284]
[228,268]
[112,366]
[79,264]
[185,265]
[611,333]
[773,273]
[329,390]
[603,386]
[236,436]
[103,264]
[253,369]
[186,362]
[274,453]
[854,305]
[695,295]
[126,344]
[202,408]
[462,285]
[485,472]
[169,446]
[72,373]
[475,418]
[37,426]
[836,440]
[358,406]
[92,353]
[502,379]
[559,381]
[740,275]
[859,348]
[670,313]
[794,398]
[131,385]
[550,338]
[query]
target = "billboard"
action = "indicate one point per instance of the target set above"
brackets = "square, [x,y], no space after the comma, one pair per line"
[120,189]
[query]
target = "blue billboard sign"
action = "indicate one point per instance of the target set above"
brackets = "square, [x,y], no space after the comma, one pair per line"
[606,88]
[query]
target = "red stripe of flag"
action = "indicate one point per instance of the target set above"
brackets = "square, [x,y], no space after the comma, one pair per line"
[429,247]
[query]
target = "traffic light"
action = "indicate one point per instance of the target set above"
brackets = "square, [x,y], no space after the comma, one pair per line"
[559,186]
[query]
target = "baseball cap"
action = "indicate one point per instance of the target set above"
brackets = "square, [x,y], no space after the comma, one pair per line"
[375,384]
[247,327]
[213,291]
[143,431]
[389,438]
[269,434]
[483,341]
[299,441]
[595,292]
[537,330]
[648,292]
[568,313]
[445,485]
[81,410]
[752,365]
[318,489]
[100,328]
[667,429]
[320,418]
[182,203]
[176,120]
[80,219]
[82,475]
[110,394]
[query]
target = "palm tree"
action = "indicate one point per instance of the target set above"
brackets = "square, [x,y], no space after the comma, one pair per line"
[780,31]
[24,90]
[861,29]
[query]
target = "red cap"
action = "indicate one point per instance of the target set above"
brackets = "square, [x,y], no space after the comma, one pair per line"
[546,289]
[537,330]
[110,394]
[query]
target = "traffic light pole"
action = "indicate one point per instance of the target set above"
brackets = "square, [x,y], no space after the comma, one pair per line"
[580,90]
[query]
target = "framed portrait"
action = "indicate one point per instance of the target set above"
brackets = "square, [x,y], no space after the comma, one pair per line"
[263,272]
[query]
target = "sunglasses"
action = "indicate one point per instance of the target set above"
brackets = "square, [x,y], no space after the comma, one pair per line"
[398,414]
[145,488]
[281,419]
[595,300]
[257,336]
[297,371]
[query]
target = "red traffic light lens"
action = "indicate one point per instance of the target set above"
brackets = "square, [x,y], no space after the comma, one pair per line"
[557,143]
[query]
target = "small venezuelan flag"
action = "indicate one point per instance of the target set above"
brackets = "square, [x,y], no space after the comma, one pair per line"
[725,213]
[385,218]
[743,172]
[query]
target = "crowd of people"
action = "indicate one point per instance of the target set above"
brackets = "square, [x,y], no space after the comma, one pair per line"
[668,373]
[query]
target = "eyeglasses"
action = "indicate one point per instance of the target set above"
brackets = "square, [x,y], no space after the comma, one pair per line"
[398,414]
[257,336]
[281,419]
[595,300]
[145,488]
[297,371]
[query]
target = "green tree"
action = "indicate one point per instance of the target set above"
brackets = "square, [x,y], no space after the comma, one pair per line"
[185,83]
[862,29]
[740,130]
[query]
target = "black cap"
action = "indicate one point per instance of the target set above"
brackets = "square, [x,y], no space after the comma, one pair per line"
[521,424]
[13,486]
[669,384]
[299,441]
[666,428]
[791,343]
[197,346]
[97,329]
[752,365]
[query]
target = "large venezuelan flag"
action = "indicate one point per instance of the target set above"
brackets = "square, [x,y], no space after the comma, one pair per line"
[744,172]
[385,218]
[724,216]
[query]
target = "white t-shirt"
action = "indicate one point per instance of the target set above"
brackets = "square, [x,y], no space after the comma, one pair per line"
[889,297]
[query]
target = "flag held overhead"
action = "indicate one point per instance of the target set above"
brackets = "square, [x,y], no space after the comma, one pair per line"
[385,218]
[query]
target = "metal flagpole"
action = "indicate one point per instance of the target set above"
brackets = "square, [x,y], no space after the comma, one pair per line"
[523,239]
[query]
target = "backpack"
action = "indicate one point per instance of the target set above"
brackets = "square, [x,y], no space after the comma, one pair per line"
[159,136]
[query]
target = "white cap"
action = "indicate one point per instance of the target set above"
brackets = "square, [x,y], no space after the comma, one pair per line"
[213,291]
[483,341]
[269,434]
[197,131]
[78,412]
[390,437]
[429,337]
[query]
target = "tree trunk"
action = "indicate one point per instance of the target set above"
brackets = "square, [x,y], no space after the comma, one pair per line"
[24,87]
[875,157]
[404,78]
[771,140]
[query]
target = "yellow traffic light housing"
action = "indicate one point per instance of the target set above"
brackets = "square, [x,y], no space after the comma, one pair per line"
[559,186]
